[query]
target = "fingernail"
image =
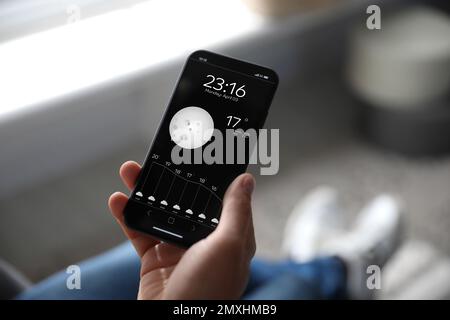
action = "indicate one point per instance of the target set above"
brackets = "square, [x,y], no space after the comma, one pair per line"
[248,184]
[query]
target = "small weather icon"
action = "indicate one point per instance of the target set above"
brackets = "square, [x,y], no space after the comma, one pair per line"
[151,198]
[191,127]
[202,216]
[214,220]
[164,202]
[189,211]
[176,207]
[139,194]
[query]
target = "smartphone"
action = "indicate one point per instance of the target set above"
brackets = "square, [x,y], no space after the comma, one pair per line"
[178,202]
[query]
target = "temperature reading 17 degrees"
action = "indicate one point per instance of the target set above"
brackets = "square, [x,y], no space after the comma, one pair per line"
[233,121]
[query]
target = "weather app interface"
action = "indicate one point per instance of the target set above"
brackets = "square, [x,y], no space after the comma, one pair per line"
[208,96]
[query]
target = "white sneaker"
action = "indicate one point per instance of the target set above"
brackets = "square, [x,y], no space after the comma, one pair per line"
[375,237]
[314,220]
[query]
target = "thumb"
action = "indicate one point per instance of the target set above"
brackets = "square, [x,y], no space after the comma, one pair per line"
[237,210]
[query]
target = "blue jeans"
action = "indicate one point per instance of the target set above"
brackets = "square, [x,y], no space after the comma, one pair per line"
[115,275]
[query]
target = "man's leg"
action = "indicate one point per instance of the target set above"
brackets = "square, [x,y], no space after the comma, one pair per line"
[315,230]
[323,278]
[111,275]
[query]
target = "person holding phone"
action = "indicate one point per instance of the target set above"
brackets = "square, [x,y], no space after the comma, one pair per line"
[191,224]
[221,260]
[328,263]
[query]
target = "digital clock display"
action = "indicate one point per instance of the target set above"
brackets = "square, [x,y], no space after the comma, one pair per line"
[219,84]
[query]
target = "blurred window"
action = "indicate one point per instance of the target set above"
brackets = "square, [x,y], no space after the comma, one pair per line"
[40,61]
[19,18]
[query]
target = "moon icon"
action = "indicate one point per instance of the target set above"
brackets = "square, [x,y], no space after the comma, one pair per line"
[191,127]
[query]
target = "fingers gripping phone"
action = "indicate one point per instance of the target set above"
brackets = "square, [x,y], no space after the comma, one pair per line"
[181,202]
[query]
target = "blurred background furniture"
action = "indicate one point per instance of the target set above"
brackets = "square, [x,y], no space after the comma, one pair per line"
[402,76]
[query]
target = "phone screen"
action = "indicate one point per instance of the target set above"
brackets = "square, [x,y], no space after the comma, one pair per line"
[181,202]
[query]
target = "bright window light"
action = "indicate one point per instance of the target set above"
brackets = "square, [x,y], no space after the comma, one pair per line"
[66,59]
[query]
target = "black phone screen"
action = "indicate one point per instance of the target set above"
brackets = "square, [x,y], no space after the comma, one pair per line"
[181,202]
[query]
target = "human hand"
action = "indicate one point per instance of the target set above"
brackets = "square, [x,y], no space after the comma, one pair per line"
[216,267]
